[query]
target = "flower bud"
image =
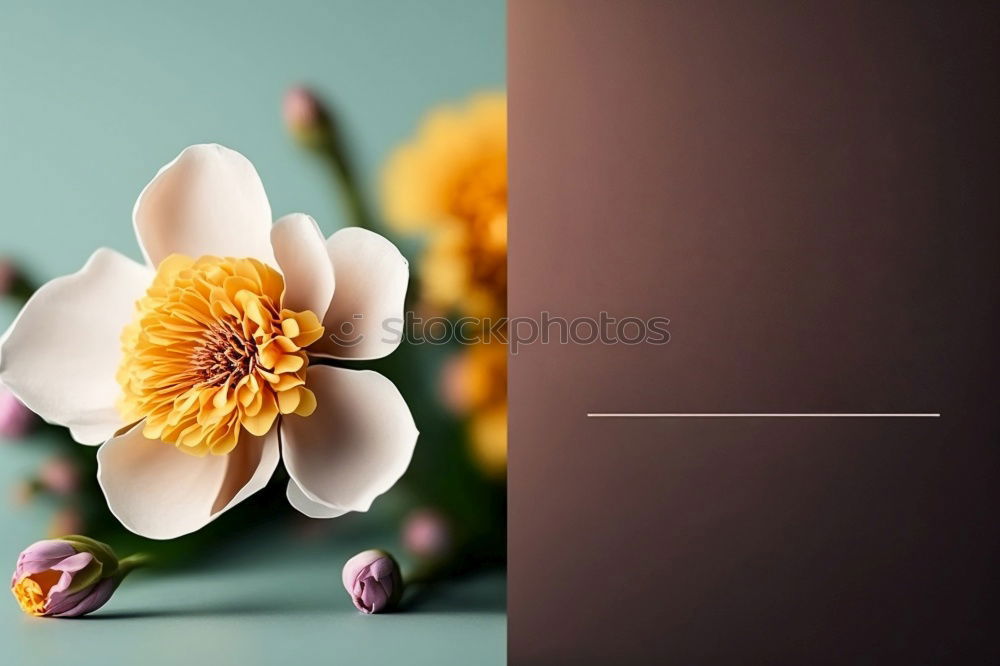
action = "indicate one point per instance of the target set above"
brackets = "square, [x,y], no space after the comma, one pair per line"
[373,580]
[426,533]
[60,476]
[305,116]
[15,418]
[67,577]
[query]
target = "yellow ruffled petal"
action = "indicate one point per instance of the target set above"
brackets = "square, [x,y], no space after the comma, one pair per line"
[211,352]
[306,326]
[288,401]
[260,423]
[307,403]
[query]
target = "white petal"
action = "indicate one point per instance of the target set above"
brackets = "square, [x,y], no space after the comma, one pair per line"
[356,444]
[366,314]
[61,353]
[207,201]
[301,253]
[159,492]
[298,499]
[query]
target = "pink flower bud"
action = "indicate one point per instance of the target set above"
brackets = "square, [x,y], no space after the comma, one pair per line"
[15,419]
[373,580]
[65,577]
[60,476]
[426,533]
[305,116]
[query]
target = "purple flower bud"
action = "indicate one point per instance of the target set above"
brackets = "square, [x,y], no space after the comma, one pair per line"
[426,533]
[67,577]
[373,580]
[15,419]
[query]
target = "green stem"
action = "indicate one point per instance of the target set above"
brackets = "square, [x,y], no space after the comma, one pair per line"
[127,564]
[335,157]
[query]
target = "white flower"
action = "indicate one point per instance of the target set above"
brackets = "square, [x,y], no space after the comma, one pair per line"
[69,357]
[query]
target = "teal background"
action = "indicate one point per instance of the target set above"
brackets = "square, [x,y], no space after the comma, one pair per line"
[94,98]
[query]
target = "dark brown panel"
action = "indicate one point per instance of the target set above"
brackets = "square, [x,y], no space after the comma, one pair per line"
[808,190]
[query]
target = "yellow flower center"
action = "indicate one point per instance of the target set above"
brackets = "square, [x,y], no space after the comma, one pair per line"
[210,350]
[32,591]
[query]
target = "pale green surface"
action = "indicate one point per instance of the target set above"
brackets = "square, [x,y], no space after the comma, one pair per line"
[94,98]
[275,606]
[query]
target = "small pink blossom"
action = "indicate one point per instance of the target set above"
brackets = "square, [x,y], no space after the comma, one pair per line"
[426,533]
[60,476]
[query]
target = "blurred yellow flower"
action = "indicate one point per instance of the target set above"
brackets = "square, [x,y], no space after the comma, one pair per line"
[474,382]
[475,378]
[488,437]
[451,180]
